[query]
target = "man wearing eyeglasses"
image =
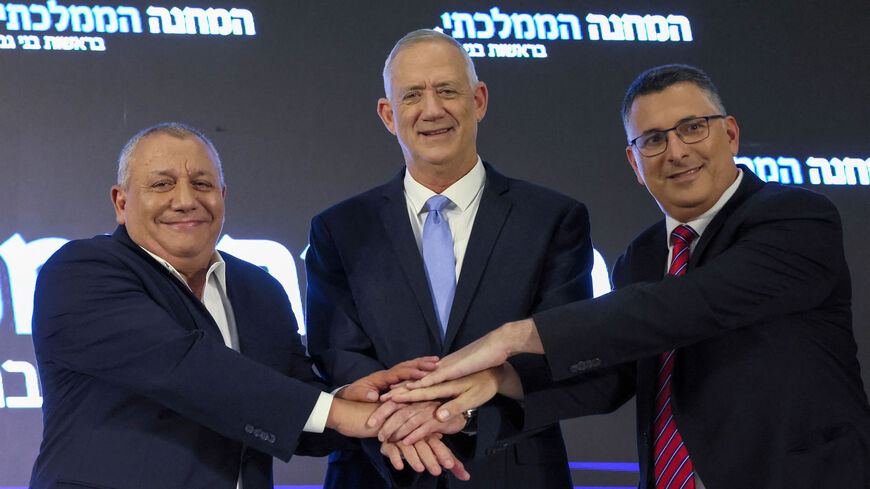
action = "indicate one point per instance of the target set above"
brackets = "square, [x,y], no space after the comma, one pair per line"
[734,312]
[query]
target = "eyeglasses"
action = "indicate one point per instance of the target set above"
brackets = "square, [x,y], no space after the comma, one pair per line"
[654,143]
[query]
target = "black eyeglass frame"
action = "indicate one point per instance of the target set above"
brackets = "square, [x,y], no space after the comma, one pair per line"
[664,133]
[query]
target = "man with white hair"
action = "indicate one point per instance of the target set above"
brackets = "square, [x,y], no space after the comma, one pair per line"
[434,259]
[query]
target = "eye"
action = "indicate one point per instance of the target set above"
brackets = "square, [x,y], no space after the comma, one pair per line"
[410,96]
[161,185]
[652,139]
[203,184]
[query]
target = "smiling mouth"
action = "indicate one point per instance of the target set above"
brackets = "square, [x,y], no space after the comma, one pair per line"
[436,132]
[687,172]
[184,224]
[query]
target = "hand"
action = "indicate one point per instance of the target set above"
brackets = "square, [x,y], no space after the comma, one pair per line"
[429,454]
[349,418]
[417,421]
[491,350]
[467,392]
[368,388]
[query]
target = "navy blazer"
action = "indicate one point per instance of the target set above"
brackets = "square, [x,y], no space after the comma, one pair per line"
[140,391]
[369,307]
[766,390]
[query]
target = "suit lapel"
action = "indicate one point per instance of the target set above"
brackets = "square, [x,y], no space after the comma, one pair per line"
[394,217]
[491,216]
[748,187]
[189,303]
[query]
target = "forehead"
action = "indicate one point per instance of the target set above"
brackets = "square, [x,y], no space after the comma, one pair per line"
[427,62]
[664,109]
[161,151]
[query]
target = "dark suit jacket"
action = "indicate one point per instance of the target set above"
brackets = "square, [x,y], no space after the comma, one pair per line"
[140,391]
[369,306]
[766,389]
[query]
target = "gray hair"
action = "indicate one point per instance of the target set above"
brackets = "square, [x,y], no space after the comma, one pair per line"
[176,129]
[656,80]
[427,35]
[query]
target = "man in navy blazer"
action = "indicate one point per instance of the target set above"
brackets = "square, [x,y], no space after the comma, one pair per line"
[164,363]
[764,390]
[517,248]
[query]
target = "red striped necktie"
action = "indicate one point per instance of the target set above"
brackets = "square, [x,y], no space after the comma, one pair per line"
[673,468]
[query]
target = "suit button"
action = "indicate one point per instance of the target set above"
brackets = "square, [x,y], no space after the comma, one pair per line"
[249,429]
[596,362]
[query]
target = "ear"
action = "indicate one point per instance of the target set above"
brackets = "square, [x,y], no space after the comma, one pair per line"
[632,160]
[481,98]
[224,192]
[733,132]
[385,112]
[119,199]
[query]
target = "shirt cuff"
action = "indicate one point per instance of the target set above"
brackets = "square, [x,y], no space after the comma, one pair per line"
[317,420]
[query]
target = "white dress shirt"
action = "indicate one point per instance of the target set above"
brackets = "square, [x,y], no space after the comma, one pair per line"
[464,196]
[217,303]
[699,224]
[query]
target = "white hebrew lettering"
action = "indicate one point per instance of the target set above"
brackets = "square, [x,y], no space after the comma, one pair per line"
[97,43]
[23,260]
[488,26]
[106,19]
[524,26]
[680,25]
[657,28]
[243,17]
[196,21]
[632,23]
[18,17]
[505,19]
[445,21]
[538,50]
[463,26]
[28,42]
[475,50]
[62,13]
[219,21]
[789,170]
[547,26]
[32,399]
[134,22]
[571,20]
[44,23]
[7,42]
[82,19]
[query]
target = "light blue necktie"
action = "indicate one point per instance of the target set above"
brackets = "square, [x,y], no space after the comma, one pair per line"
[438,259]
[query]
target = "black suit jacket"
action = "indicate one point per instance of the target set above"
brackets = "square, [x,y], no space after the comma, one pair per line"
[369,307]
[766,389]
[140,391]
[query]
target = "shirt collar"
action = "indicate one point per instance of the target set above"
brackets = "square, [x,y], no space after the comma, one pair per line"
[699,224]
[217,267]
[461,193]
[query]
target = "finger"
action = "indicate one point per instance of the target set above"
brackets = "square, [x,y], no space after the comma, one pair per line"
[459,471]
[393,452]
[395,421]
[413,423]
[394,389]
[454,407]
[410,454]
[358,392]
[423,363]
[426,429]
[440,391]
[428,458]
[382,412]
[442,453]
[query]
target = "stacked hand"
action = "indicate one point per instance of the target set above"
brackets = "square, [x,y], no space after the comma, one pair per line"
[420,399]
[427,452]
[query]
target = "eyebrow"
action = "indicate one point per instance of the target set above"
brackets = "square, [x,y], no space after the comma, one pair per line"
[437,85]
[684,119]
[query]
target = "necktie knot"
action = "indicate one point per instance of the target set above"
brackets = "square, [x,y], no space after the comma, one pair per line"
[683,233]
[437,203]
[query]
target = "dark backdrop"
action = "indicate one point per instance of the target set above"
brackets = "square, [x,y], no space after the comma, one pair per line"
[292,111]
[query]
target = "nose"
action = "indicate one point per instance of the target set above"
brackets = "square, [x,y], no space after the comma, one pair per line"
[184,198]
[677,149]
[433,108]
